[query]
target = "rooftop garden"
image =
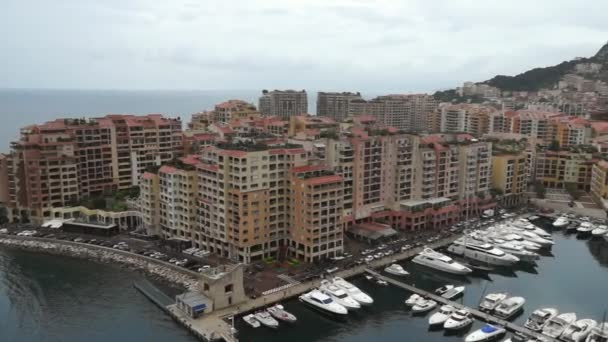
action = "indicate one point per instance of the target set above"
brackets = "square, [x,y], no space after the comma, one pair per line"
[116,201]
[508,146]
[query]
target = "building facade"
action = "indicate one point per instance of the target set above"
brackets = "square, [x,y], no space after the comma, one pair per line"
[335,105]
[283,103]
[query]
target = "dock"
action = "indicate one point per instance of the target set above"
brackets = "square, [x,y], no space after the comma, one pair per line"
[484,316]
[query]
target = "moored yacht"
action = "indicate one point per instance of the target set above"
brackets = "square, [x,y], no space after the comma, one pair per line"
[266,319]
[491,301]
[458,320]
[441,262]
[323,302]
[556,325]
[413,299]
[561,222]
[512,237]
[353,291]
[599,231]
[250,319]
[599,333]
[510,307]
[278,311]
[423,305]
[578,331]
[450,291]
[396,269]
[518,250]
[488,332]
[442,315]
[482,252]
[527,226]
[539,318]
[338,295]
[585,228]
[533,237]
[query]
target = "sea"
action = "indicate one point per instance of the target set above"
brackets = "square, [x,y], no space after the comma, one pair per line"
[53,298]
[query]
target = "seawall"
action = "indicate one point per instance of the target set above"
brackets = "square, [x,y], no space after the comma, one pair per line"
[153,267]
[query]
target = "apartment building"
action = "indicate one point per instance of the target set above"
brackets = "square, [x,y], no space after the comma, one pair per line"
[283,103]
[599,183]
[200,121]
[571,131]
[510,177]
[316,213]
[234,109]
[4,192]
[57,163]
[557,168]
[335,105]
[466,118]
[311,125]
[535,124]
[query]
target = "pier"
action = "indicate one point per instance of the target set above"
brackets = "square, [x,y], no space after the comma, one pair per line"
[484,316]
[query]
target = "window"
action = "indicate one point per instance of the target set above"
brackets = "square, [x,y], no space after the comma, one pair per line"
[228,288]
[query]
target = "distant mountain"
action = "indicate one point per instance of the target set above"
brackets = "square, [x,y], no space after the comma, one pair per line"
[538,78]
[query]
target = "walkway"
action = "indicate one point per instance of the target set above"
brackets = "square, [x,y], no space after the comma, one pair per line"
[479,314]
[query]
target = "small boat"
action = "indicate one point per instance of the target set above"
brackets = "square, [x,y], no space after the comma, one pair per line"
[424,305]
[539,318]
[585,228]
[442,315]
[561,222]
[375,280]
[250,319]
[458,320]
[266,319]
[323,302]
[396,269]
[381,282]
[599,231]
[353,291]
[556,325]
[278,311]
[450,291]
[599,333]
[510,307]
[338,295]
[413,299]
[488,332]
[578,331]
[491,301]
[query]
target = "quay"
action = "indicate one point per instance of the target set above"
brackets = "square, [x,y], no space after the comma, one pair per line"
[477,313]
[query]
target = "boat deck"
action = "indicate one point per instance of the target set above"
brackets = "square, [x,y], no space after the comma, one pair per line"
[477,313]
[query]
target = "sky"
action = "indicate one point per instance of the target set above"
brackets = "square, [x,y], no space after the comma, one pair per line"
[381,45]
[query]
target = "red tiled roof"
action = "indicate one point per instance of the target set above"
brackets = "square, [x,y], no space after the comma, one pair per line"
[148,175]
[232,153]
[323,180]
[167,169]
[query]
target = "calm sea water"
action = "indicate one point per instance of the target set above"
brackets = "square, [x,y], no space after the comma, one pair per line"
[49,298]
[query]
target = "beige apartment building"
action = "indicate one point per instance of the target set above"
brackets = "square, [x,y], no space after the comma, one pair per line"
[283,103]
[404,112]
[599,183]
[510,177]
[557,168]
[335,105]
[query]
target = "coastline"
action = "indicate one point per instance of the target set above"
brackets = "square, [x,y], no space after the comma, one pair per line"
[165,272]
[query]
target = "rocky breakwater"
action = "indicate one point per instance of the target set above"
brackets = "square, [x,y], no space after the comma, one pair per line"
[155,268]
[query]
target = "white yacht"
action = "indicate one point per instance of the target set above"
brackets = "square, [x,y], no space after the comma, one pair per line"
[353,291]
[266,319]
[532,237]
[450,291]
[516,249]
[510,307]
[487,333]
[278,311]
[585,228]
[556,325]
[578,331]
[512,237]
[396,269]
[525,225]
[491,301]
[599,231]
[338,295]
[458,320]
[561,222]
[413,299]
[423,306]
[599,333]
[442,315]
[323,302]
[539,318]
[482,252]
[441,262]
[250,319]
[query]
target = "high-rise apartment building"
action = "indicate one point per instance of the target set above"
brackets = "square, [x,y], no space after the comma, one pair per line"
[404,112]
[335,105]
[283,103]
[510,176]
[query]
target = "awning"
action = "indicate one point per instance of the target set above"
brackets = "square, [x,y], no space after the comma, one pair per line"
[372,230]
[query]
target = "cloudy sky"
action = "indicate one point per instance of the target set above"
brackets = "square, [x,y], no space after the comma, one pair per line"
[396,45]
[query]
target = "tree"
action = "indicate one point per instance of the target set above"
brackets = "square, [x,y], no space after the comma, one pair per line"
[573,191]
[540,189]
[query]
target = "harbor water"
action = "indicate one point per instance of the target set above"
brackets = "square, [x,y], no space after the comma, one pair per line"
[50,298]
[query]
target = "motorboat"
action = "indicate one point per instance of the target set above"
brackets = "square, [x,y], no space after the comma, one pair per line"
[585,228]
[353,291]
[424,305]
[450,291]
[488,332]
[599,333]
[266,319]
[539,318]
[338,295]
[375,280]
[578,331]
[396,269]
[442,315]
[518,250]
[323,302]
[531,246]
[510,307]
[527,226]
[441,262]
[556,325]
[482,252]
[599,231]
[381,282]
[250,319]
[533,237]
[561,222]
[458,320]
[491,301]
[278,311]
[413,299]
